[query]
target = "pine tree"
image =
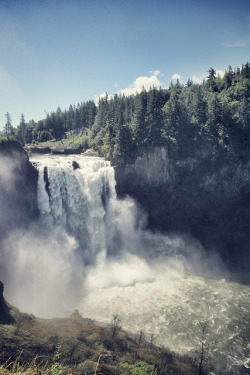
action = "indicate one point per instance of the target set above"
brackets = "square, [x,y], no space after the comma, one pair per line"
[211,79]
[154,120]
[214,116]
[22,130]
[8,128]
[139,119]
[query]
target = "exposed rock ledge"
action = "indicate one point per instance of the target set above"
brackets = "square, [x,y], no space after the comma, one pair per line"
[194,197]
[5,316]
[151,169]
[18,187]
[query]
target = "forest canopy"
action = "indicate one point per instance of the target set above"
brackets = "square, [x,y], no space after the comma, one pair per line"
[212,117]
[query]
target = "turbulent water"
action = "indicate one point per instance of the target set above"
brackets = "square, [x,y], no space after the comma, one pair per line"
[90,251]
[172,308]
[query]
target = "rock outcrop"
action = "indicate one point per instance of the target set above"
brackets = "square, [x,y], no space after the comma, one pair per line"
[193,197]
[18,187]
[5,315]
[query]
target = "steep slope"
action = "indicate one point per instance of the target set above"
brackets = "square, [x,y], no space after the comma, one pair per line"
[193,197]
[5,310]
[18,184]
[79,344]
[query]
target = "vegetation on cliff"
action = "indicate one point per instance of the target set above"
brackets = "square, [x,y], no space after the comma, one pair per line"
[76,345]
[205,129]
[211,118]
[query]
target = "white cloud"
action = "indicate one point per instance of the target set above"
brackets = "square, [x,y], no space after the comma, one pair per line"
[198,79]
[220,73]
[101,96]
[138,85]
[176,76]
[142,82]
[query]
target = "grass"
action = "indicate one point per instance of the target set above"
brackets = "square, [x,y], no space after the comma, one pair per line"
[76,345]
[70,140]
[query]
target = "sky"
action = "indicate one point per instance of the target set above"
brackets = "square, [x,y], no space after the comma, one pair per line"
[54,53]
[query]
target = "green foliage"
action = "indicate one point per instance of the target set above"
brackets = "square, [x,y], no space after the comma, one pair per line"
[75,345]
[8,128]
[189,120]
[139,368]
[57,368]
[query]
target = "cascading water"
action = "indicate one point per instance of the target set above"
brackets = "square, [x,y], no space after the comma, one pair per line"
[71,196]
[80,197]
[89,252]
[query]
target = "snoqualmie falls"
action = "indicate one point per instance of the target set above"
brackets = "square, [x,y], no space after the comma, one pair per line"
[91,251]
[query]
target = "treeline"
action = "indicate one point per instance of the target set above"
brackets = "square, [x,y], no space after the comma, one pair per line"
[55,125]
[212,117]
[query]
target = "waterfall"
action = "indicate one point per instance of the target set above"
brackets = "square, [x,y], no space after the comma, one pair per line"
[78,195]
[88,251]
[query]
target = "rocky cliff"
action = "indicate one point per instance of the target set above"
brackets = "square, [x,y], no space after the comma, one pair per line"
[18,187]
[194,196]
[5,315]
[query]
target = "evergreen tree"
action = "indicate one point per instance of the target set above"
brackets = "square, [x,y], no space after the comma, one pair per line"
[173,113]
[189,82]
[208,119]
[98,129]
[29,131]
[8,128]
[200,107]
[154,120]
[76,120]
[214,116]
[228,76]
[21,131]
[240,135]
[211,79]
[139,123]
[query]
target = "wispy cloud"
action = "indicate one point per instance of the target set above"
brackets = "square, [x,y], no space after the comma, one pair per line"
[7,83]
[240,43]
[155,72]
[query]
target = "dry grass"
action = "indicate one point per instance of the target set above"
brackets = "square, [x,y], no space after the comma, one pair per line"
[75,345]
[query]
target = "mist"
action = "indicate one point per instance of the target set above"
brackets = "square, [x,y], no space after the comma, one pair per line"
[45,274]
[89,250]
[77,246]
[41,271]
[9,210]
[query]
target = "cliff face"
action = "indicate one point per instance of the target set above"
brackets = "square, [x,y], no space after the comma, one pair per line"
[193,196]
[18,187]
[151,169]
[5,315]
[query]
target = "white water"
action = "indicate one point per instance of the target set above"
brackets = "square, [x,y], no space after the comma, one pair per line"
[92,253]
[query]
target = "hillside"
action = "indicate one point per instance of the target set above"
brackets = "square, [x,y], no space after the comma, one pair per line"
[80,346]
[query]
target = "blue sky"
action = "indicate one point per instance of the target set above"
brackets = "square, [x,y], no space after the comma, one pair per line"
[56,53]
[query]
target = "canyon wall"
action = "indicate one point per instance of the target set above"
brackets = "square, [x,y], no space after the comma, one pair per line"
[18,187]
[195,197]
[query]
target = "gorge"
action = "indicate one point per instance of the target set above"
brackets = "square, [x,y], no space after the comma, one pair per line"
[83,247]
